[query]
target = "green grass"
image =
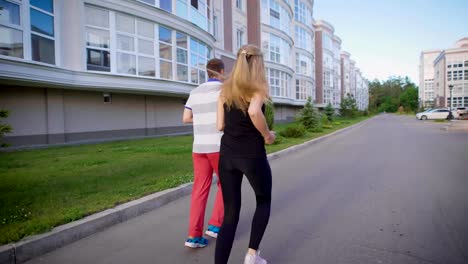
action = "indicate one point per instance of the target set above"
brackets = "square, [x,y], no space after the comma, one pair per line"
[440,121]
[41,189]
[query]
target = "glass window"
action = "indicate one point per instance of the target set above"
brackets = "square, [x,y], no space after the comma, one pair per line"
[97,17]
[145,47]
[181,56]
[146,66]
[11,42]
[97,38]
[125,23]
[42,23]
[165,34]
[125,43]
[165,70]
[126,63]
[239,4]
[42,49]
[166,5]
[145,29]
[182,73]
[46,5]
[98,60]
[181,9]
[10,13]
[165,51]
[181,40]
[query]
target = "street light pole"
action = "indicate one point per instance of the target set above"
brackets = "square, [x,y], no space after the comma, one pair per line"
[450,116]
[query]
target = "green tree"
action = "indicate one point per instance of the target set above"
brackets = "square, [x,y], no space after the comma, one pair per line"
[4,128]
[270,114]
[329,112]
[348,107]
[309,116]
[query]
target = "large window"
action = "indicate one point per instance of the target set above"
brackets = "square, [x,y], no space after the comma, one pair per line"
[276,49]
[142,48]
[195,11]
[303,38]
[302,13]
[40,31]
[303,89]
[303,64]
[275,15]
[239,38]
[97,39]
[165,5]
[279,82]
[11,31]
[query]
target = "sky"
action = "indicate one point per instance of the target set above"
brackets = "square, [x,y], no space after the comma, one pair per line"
[386,37]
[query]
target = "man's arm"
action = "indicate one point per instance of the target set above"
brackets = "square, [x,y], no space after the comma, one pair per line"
[188,116]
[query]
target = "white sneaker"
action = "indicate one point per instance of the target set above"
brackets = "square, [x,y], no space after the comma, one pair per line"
[254,259]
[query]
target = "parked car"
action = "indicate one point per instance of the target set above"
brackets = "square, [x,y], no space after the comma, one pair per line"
[441,113]
[462,110]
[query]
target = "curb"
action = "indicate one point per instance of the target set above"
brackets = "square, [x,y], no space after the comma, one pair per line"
[60,236]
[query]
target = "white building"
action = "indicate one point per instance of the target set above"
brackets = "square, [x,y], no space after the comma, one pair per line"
[426,77]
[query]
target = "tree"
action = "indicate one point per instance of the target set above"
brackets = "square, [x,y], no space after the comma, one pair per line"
[4,128]
[348,107]
[270,114]
[309,116]
[390,94]
[329,112]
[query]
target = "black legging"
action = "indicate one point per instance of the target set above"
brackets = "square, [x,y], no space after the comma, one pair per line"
[231,171]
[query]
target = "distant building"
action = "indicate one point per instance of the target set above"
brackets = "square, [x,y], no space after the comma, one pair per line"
[451,68]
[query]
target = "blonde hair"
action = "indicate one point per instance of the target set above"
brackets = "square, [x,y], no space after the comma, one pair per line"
[247,78]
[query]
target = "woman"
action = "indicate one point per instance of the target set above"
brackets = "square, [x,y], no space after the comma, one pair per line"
[240,115]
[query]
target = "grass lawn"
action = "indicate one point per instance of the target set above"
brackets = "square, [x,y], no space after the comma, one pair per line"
[41,189]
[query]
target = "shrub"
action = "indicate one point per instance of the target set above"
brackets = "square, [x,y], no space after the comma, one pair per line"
[348,107]
[330,112]
[317,130]
[327,126]
[308,116]
[337,123]
[278,140]
[270,114]
[4,128]
[293,131]
[324,120]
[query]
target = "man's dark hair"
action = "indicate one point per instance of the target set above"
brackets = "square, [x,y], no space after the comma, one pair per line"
[214,65]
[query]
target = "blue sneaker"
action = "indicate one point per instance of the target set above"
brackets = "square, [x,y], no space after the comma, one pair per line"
[196,242]
[212,231]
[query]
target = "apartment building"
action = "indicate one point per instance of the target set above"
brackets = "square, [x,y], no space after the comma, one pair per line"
[426,77]
[88,70]
[451,69]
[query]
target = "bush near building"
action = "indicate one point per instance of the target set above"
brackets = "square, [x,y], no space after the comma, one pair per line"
[4,128]
[309,117]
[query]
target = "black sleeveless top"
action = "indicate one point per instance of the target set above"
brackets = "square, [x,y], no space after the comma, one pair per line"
[241,139]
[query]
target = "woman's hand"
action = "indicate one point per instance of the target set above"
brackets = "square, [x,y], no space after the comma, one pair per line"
[270,138]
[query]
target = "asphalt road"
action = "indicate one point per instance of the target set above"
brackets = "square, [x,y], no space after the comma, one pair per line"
[394,190]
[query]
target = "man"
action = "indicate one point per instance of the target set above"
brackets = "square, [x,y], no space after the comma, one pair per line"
[200,109]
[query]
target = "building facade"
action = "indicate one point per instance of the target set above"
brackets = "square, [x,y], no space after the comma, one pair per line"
[88,70]
[426,77]
[327,53]
[451,69]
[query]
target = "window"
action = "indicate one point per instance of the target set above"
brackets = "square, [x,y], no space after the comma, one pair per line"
[279,82]
[182,57]
[194,3]
[199,54]
[275,44]
[239,38]
[302,12]
[165,52]
[303,89]
[166,5]
[239,4]
[97,39]
[11,33]
[466,63]
[303,38]
[215,26]
[42,31]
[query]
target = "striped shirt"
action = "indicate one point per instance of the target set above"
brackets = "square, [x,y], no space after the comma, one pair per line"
[203,102]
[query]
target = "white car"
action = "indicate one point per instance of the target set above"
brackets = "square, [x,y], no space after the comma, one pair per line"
[436,114]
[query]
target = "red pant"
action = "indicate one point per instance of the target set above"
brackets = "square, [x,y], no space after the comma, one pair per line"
[203,167]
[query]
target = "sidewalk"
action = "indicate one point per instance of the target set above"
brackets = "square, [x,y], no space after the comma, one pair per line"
[457,125]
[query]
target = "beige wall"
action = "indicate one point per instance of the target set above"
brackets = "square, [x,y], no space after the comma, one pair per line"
[27,108]
[45,116]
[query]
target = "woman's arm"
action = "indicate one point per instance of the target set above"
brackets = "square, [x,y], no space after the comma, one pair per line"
[258,118]
[220,114]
